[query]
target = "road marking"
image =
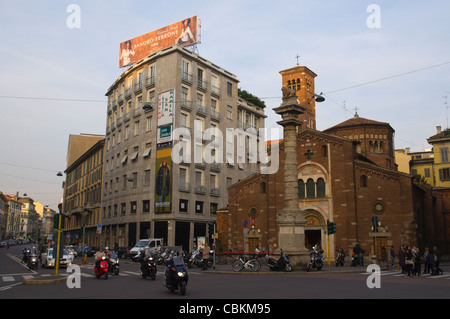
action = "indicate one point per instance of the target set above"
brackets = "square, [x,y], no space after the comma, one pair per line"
[439,276]
[8,278]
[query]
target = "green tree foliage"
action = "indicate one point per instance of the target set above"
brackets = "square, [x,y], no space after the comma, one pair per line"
[251,98]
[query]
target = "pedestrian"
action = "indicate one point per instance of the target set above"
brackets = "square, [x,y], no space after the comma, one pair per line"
[430,262]
[437,257]
[392,253]
[383,256]
[409,262]
[401,258]
[416,256]
[426,267]
[205,257]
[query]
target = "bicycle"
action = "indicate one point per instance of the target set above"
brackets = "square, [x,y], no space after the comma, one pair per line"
[251,264]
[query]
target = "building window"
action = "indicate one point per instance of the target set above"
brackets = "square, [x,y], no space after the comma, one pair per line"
[444,174]
[324,151]
[320,187]
[184,205]
[263,188]
[427,172]
[213,208]
[198,207]
[363,181]
[310,188]
[146,206]
[444,154]
[133,207]
[301,188]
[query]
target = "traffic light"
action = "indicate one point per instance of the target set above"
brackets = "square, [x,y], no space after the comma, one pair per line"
[331,227]
[56,218]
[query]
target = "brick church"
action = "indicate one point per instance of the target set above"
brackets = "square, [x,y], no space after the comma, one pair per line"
[346,174]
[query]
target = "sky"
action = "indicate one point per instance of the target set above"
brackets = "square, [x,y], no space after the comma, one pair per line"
[387,60]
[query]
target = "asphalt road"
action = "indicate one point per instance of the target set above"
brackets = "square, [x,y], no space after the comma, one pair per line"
[221,285]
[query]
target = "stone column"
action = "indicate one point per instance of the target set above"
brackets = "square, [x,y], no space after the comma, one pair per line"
[291,220]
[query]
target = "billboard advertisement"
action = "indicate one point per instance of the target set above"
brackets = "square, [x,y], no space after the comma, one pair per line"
[163,190]
[184,33]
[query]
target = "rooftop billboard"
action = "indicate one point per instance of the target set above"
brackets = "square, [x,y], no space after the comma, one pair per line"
[184,33]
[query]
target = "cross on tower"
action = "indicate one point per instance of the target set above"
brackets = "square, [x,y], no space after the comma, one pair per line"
[297,57]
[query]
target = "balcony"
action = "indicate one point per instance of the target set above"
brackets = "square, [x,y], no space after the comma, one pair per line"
[200,189]
[150,81]
[184,187]
[187,78]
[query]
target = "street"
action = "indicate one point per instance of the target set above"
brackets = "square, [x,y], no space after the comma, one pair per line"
[219,284]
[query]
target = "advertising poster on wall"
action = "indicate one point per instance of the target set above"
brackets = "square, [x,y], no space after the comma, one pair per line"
[163,189]
[166,103]
[183,33]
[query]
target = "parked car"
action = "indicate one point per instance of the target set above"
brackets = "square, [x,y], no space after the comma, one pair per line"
[48,260]
[122,252]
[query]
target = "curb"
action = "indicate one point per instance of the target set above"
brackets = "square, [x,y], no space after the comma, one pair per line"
[44,280]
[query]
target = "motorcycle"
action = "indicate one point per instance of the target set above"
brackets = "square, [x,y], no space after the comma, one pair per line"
[148,268]
[176,276]
[32,262]
[282,263]
[316,260]
[356,259]
[340,258]
[113,264]
[101,267]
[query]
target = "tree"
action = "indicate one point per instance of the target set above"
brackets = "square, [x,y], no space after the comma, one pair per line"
[251,98]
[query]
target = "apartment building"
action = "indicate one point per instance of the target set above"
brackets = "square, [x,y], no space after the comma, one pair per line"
[168,159]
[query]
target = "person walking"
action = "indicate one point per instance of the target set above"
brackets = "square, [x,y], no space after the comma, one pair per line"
[401,258]
[437,257]
[392,253]
[416,257]
[426,268]
[205,257]
[430,262]
[409,262]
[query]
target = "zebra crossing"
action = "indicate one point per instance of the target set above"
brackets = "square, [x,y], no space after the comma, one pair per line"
[88,273]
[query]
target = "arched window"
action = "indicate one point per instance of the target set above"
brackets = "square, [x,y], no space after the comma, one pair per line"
[363,181]
[298,84]
[263,188]
[301,188]
[320,187]
[310,188]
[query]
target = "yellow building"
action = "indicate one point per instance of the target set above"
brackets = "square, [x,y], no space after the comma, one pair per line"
[421,167]
[83,189]
[440,169]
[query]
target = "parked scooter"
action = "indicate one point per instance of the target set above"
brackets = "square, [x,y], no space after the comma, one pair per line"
[282,263]
[148,267]
[356,259]
[101,267]
[176,276]
[316,259]
[340,258]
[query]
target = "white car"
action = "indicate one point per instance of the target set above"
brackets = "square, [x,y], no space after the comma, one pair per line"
[47,259]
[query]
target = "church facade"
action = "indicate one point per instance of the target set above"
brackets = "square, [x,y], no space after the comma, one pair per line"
[346,175]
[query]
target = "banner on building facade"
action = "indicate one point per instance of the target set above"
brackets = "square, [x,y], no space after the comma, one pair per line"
[184,33]
[163,189]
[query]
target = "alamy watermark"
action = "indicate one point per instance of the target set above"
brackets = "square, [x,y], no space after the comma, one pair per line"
[374,19]
[374,279]
[74,279]
[73,21]
[213,146]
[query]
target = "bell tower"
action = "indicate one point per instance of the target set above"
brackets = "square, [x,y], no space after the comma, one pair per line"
[301,80]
